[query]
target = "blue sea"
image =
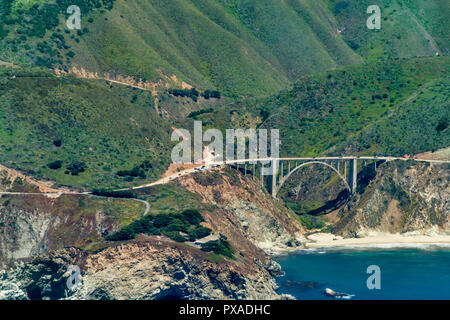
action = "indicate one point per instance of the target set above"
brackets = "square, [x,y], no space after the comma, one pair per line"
[406,273]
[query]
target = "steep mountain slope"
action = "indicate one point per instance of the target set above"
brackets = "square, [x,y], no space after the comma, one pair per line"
[409,28]
[70,123]
[240,47]
[79,132]
[418,124]
[354,91]
[202,42]
[328,109]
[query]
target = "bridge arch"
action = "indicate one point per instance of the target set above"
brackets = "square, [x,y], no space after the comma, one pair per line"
[285,178]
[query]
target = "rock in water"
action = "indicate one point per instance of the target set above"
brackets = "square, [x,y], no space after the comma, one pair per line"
[334,294]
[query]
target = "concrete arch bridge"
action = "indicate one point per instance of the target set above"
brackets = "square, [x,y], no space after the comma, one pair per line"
[278,170]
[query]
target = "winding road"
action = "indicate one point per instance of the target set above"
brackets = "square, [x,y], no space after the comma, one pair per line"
[211,165]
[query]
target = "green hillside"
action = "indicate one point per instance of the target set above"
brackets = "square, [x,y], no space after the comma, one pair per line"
[84,132]
[240,47]
[418,125]
[51,126]
[331,108]
[409,28]
[79,132]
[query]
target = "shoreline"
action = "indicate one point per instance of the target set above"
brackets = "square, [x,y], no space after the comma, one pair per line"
[377,240]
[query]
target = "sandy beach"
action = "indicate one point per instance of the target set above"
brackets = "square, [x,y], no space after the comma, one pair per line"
[327,240]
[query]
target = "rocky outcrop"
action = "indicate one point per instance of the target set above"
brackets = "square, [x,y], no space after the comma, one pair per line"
[155,271]
[145,269]
[44,277]
[23,234]
[36,232]
[31,225]
[245,211]
[404,197]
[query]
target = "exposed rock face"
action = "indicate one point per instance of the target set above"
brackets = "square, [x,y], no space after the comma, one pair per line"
[314,183]
[36,229]
[150,269]
[33,225]
[404,197]
[43,278]
[243,206]
[23,234]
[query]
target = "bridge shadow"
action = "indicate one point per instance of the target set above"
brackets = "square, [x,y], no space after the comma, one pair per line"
[365,176]
[331,205]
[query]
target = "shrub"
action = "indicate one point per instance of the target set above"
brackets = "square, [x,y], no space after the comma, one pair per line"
[113,194]
[442,125]
[211,94]
[169,225]
[198,233]
[124,234]
[194,114]
[311,222]
[137,171]
[174,236]
[191,93]
[57,143]
[146,165]
[76,167]
[221,246]
[193,216]
[55,165]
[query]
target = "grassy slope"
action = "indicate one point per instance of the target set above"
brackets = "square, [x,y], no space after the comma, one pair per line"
[331,108]
[407,26]
[418,125]
[207,43]
[97,125]
[300,33]
[364,109]
[241,47]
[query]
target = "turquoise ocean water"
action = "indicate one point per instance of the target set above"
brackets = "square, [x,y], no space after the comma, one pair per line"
[405,273]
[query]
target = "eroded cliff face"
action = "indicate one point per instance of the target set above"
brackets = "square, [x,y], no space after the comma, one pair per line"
[23,234]
[41,237]
[163,270]
[154,268]
[45,277]
[31,225]
[246,211]
[404,197]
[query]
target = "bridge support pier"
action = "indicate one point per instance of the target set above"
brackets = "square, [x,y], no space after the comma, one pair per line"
[261,175]
[278,172]
[353,174]
[345,168]
[273,178]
